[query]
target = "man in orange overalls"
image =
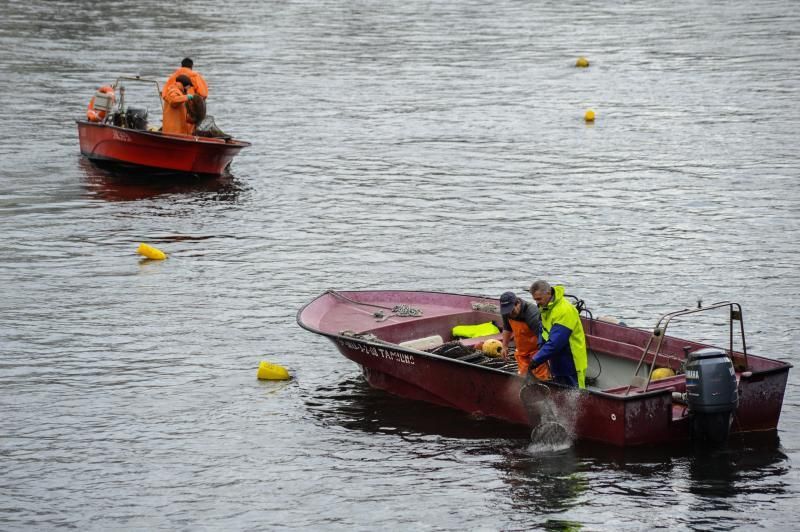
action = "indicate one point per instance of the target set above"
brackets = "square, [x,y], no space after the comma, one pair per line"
[198,82]
[176,95]
[521,319]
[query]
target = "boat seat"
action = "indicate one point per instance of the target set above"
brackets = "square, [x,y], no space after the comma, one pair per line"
[428,342]
[674,383]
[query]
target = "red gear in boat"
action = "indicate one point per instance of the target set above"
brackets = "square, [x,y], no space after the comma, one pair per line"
[175,119]
[98,116]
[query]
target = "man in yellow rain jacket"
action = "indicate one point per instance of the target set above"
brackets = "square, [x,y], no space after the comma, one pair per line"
[563,343]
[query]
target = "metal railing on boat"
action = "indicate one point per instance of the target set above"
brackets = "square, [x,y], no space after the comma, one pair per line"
[660,332]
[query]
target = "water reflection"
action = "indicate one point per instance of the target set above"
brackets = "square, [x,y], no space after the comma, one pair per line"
[546,482]
[353,404]
[748,464]
[111,184]
[742,466]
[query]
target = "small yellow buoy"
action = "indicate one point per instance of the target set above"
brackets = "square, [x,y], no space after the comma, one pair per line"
[272,372]
[662,373]
[582,62]
[589,116]
[492,348]
[151,252]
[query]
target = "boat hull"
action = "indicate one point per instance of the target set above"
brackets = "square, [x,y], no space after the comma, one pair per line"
[611,416]
[587,415]
[109,145]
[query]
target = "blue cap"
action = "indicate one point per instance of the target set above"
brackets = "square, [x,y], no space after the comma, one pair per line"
[507,302]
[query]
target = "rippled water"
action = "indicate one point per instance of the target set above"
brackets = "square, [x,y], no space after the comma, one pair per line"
[421,145]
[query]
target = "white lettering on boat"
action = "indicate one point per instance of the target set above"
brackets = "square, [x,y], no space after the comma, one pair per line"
[379,352]
[121,135]
[692,374]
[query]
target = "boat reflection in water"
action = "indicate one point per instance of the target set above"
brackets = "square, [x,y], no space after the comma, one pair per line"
[130,185]
[545,485]
[354,405]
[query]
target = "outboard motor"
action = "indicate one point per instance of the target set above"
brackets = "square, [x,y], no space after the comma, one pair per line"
[711,394]
[136,118]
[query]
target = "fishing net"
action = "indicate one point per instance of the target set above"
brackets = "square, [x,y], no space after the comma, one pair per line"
[208,128]
[406,311]
[196,109]
[547,429]
[453,350]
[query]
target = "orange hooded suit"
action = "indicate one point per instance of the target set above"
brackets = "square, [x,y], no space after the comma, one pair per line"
[199,84]
[174,119]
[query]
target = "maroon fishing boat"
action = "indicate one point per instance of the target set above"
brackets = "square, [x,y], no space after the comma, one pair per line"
[122,138]
[643,386]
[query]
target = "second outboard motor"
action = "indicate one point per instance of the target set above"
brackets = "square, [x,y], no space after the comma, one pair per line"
[711,394]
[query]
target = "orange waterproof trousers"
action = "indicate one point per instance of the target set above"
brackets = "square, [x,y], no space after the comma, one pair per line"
[527,346]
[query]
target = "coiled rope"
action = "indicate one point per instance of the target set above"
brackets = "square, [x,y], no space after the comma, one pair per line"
[401,311]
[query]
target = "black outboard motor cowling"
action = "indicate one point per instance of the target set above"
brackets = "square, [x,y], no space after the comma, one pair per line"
[711,394]
[136,118]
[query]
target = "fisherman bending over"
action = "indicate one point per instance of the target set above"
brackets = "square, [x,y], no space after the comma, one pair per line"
[521,319]
[175,117]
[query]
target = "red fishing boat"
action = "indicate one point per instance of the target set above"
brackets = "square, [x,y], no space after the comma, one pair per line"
[122,138]
[404,343]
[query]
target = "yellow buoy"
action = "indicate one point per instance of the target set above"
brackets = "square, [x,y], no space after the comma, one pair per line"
[492,348]
[589,116]
[582,62]
[150,252]
[272,372]
[662,373]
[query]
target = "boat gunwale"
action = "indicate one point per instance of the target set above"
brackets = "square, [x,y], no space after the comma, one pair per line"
[206,141]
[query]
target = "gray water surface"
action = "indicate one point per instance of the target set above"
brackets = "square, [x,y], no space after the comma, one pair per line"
[414,145]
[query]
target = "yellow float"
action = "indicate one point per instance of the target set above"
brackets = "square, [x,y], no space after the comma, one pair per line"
[272,372]
[150,252]
[661,373]
[492,348]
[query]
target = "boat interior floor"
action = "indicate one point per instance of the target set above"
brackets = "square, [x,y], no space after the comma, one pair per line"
[605,372]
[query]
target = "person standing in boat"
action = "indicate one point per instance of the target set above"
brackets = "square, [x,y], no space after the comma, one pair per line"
[175,118]
[521,319]
[199,85]
[562,342]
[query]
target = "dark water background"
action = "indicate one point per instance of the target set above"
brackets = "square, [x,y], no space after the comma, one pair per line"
[414,145]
